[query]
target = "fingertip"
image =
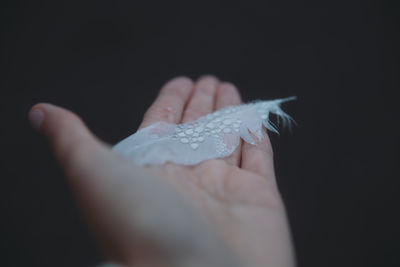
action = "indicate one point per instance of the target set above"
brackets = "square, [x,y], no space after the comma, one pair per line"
[36,117]
[179,85]
[170,103]
[207,83]
[180,79]
[39,113]
[42,105]
[228,88]
[207,77]
[202,99]
[62,128]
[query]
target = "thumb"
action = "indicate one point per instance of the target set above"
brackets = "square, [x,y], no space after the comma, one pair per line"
[64,130]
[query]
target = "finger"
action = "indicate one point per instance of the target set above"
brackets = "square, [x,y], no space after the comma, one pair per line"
[258,158]
[170,102]
[228,95]
[202,99]
[65,131]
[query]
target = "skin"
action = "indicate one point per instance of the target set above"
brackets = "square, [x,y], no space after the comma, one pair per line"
[231,204]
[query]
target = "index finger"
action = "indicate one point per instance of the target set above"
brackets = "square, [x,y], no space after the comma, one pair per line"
[170,102]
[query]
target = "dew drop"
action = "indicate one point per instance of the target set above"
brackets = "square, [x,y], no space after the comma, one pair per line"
[184,140]
[199,129]
[194,145]
[227,121]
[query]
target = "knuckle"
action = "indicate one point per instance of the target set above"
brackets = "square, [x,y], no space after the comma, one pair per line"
[62,122]
[169,101]
[195,112]
[207,89]
[75,153]
[161,113]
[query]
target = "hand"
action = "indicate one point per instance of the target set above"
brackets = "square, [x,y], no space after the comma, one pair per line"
[130,209]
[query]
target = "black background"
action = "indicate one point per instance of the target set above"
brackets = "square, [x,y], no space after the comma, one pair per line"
[106,60]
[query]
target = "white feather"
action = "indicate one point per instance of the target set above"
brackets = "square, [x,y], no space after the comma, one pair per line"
[215,135]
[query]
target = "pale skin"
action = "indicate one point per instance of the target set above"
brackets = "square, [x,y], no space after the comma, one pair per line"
[236,196]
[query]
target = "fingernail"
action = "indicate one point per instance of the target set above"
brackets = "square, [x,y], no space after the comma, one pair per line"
[36,117]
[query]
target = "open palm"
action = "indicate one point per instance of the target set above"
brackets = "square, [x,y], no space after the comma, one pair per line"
[140,214]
